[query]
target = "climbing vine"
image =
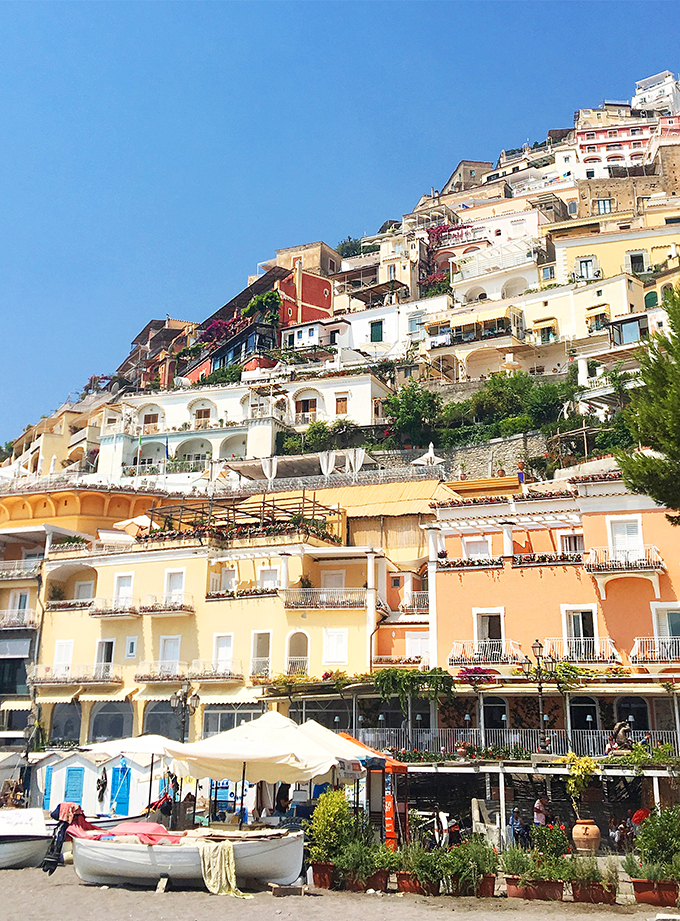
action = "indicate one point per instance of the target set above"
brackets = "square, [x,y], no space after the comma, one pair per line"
[405,683]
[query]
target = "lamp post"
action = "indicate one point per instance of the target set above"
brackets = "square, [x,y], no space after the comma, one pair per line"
[186,700]
[545,669]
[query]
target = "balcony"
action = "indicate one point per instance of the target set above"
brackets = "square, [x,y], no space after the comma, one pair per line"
[216,670]
[305,418]
[297,665]
[655,649]
[172,603]
[115,608]
[485,652]
[18,620]
[69,604]
[415,602]
[324,598]
[400,662]
[99,673]
[152,672]
[260,667]
[582,649]
[20,569]
[463,563]
[547,559]
[641,562]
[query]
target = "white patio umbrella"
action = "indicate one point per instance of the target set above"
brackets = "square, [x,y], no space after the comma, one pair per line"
[153,745]
[429,459]
[335,744]
[237,759]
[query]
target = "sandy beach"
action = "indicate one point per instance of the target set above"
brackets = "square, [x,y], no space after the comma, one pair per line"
[30,895]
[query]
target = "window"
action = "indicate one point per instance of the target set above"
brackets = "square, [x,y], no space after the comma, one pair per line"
[604,205]
[83,591]
[498,233]
[299,334]
[228,580]
[268,578]
[580,708]
[104,658]
[586,268]
[18,600]
[333,337]
[122,587]
[398,248]
[612,134]
[260,664]
[335,646]
[220,718]
[637,262]
[331,264]
[472,172]
[489,631]
[567,159]
[223,652]
[626,539]
[633,709]
[391,272]
[131,647]
[169,657]
[310,332]
[495,713]
[476,548]
[377,331]
[415,324]
[572,543]
[341,405]
[417,645]
[547,272]
[637,143]
[202,418]
[63,656]
[174,585]
[635,131]
[150,418]
[591,149]
[590,136]
[305,410]
[290,339]
[590,174]
[396,581]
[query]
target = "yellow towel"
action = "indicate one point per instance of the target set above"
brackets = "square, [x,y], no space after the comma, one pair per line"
[218,868]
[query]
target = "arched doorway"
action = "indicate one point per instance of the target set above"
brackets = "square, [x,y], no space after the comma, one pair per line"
[514,287]
[111,720]
[65,724]
[160,719]
[297,660]
[495,713]
[635,710]
[580,708]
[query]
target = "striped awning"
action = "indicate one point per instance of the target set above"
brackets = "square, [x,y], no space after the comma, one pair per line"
[241,696]
[15,705]
[60,696]
[545,323]
[104,697]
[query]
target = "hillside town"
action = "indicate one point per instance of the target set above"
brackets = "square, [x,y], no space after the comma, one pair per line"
[377,489]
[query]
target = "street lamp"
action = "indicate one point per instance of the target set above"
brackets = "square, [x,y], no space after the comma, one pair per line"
[545,669]
[186,701]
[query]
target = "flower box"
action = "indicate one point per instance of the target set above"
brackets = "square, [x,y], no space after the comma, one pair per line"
[594,893]
[323,874]
[544,890]
[409,882]
[662,894]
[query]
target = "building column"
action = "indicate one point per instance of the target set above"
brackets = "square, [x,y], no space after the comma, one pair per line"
[501,806]
[85,713]
[482,733]
[284,570]
[371,606]
[582,364]
[508,546]
[408,586]
[433,550]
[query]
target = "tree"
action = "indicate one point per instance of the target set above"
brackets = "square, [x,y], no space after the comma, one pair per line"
[267,304]
[653,417]
[6,451]
[349,247]
[413,413]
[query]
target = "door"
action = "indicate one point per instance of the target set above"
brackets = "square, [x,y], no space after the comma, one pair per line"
[174,587]
[228,580]
[268,578]
[122,591]
[260,665]
[224,653]
[83,591]
[120,791]
[581,635]
[104,659]
[169,661]
[669,634]
[626,541]
[63,655]
[417,646]
[73,788]
[47,793]
[18,601]
[489,638]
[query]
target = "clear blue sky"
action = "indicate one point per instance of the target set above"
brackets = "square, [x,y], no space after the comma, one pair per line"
[152,153]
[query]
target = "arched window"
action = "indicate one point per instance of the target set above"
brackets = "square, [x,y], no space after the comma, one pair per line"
[580,708]
[651,300]
[573,207]
[495,713]
[635,710]
[160,719]
[111,721]
[65,723]
[297,661]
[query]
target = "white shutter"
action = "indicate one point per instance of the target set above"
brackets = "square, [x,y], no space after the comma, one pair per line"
[224,649]
[170,650]
[174,586]
[268,578]
[83,591]
[333,579]
[477,549]
[336,643]
[63,655]
[123,588]
[625,536]
[228,580]
[417,645]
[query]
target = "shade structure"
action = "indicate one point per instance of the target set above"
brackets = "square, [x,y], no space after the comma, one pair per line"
[294,756]
[336,745]
[233,759]
[134,745]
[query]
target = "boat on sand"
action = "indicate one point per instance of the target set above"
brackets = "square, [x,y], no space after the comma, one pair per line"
[24,838]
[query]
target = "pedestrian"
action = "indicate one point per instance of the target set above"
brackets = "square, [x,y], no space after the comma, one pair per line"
[541,809]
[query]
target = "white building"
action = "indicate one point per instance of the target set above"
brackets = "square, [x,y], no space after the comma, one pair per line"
[660,92]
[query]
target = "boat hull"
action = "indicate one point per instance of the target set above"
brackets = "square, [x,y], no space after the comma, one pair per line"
[106,863]
[19,851]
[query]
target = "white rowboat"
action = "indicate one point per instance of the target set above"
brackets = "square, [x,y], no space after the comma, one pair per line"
[23,838]
[111,863]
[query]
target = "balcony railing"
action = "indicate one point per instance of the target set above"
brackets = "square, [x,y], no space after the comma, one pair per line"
[415,601]
[99,673]
[20,569]
[69,604]
[170,603]
[123,608]
[547,559]
[463,563]
[151,672]
[216,669]
[400,662]
[485,652]
[260,667]
[305,418]
[16,620]
[324,597]
[297,665]
[582,649]
[656,649]
[647,558]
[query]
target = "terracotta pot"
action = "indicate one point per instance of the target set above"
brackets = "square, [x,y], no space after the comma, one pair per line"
[408,882]
[323,874]
[377,881]
[544,890]
[586,836]
[662,894]
[486,887]
[595,893]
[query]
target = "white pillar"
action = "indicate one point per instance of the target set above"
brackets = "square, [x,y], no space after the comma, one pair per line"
[482,733]
[284,570]
[657,793]
[501,805]
[508,547]
[408,586]
[582,372]
[433,550]
[371,607]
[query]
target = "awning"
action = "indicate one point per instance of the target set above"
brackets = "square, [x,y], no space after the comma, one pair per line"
[103,696]
[15,649]
[15,705]
[545,323]
[479,316]
[242,696]
[156,693]
[597,309]
[60,696]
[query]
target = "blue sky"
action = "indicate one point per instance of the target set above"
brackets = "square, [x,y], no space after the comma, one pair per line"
[153,153]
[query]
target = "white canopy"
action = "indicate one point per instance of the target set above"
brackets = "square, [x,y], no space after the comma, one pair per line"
[135,745]
[273,748]
[429,459]
[336,745]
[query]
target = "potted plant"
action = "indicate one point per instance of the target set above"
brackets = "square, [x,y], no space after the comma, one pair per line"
[471,867]
[419,871]
[365,866]
[655,875]
[514,863]
[534,875]
[585,833]
[591,884]
[329,830]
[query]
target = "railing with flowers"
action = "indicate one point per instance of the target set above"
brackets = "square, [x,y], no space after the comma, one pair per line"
[20,569]
[490,562]
[69,604]
[499,652]
[415,601]
[655,649]
[161,671]
[400,661]
[99,673]
[16,619]
[324,597]
[297,665]
[547,559]
[114,607]
[260,667]
[232,595]
[602,559]
[169,603]
[216,669]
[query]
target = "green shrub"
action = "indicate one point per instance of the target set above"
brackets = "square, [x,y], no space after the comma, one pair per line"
[658,840]
[426,866]
[330,827]
[584,870]
[515,861]
[550,839]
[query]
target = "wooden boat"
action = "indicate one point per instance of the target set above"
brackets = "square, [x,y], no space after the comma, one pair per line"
[261,858]
[24,839]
